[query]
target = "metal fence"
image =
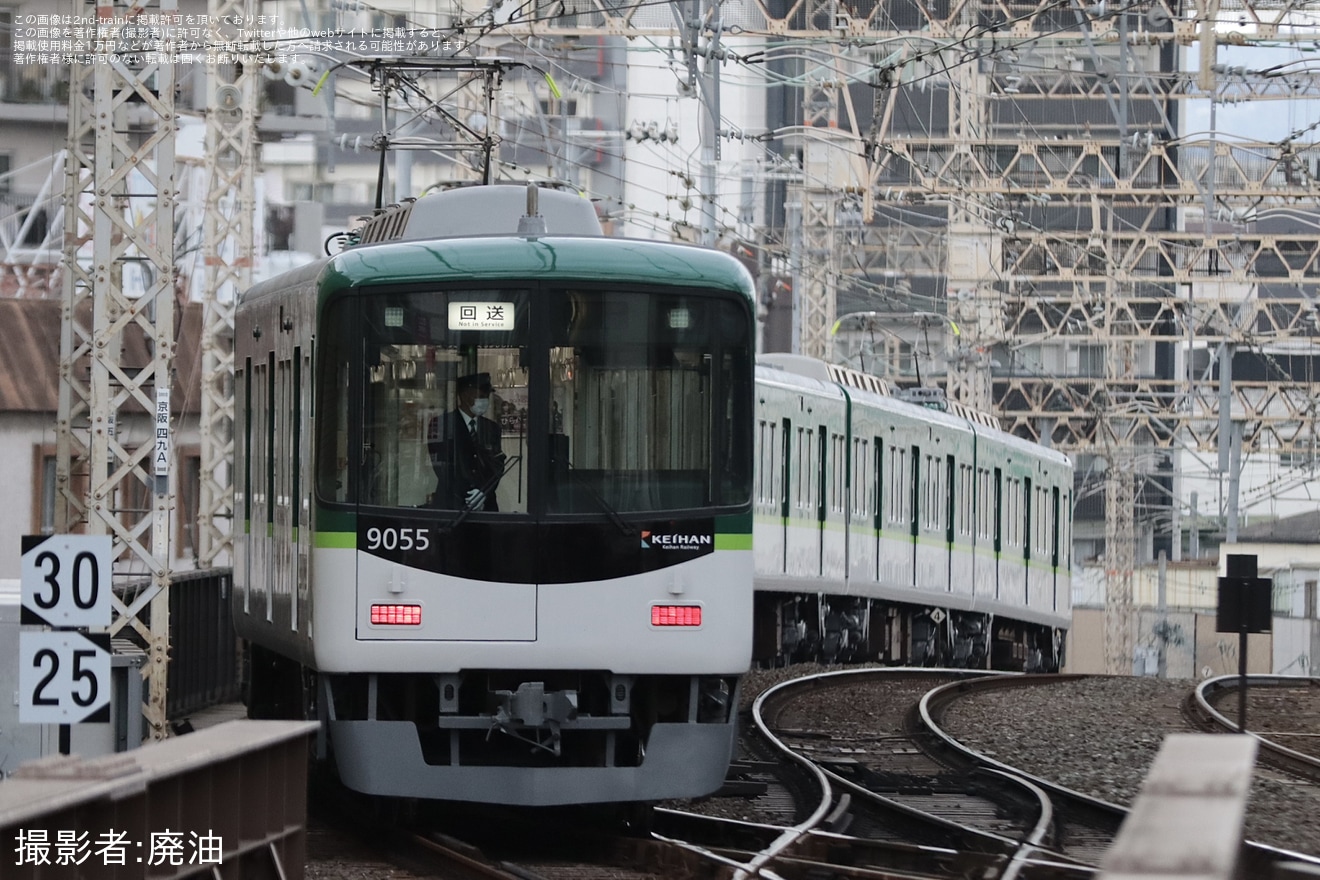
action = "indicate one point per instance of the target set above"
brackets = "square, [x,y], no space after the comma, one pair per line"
[204,654]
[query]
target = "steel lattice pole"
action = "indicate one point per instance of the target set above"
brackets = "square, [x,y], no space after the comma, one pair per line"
[121,193]
[228,256]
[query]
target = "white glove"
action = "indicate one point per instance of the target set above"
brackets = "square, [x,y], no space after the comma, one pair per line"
[475,498]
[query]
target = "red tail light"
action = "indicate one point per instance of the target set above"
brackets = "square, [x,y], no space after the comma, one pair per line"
[397,615]
[675,615]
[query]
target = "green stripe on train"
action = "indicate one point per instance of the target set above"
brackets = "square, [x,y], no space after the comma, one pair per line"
[348,541]
[733,542]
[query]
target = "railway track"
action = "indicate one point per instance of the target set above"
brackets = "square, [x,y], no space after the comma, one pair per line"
[1066,834]
[1285,720]
[885,800]
[1258,860]
[1082,827]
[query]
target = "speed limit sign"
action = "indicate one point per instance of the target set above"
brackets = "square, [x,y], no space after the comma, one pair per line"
[66,580]
[63,677]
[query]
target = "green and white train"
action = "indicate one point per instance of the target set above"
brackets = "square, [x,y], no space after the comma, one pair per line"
[910,532]
[660,510]
[579,634]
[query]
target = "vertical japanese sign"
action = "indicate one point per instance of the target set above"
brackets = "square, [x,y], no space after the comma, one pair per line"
[161,454]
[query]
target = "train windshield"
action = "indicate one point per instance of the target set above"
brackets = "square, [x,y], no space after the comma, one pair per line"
[523,400]
[647,402]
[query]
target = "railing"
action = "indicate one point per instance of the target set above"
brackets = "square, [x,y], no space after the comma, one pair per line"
[228,801]
[204,657]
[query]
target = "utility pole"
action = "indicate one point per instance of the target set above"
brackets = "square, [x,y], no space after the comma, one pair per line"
[120,196]
[696,18]
[815,285]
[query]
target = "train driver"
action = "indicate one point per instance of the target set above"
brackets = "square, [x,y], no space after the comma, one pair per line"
[465,449]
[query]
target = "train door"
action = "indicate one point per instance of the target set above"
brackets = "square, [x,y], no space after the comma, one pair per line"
[984,568]
[1054,549]
[785,480]
[1028,522]
[914,519]
[771,516]
[301,501]
[1040,570]
[998,511]
[802,535]
[243,452]
[820,500]
[861,506]
[878,500]
[950,493]
[284,463]
[829,500]
[264,477]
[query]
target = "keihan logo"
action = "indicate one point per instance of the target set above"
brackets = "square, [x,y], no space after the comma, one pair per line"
[675,542]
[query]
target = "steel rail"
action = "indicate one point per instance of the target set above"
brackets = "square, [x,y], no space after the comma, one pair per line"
[1274,753]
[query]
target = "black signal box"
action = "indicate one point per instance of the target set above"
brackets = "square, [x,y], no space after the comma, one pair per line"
[1244,599]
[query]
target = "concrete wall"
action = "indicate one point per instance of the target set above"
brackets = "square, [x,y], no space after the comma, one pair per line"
[1296,646]
[1192,648]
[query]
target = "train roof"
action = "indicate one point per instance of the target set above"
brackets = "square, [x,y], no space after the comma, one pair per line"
[545,258]
[493,233]
[495,209]
[485,259]
[808,372]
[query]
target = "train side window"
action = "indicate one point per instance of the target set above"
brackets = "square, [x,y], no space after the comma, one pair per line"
[1019,515]
[335,384]
[1012,513]
[998,508]
[898,485]
[1046,516]
[963,501]
[933,501]
[861,476]
[815,451]
[1006,513]
[797,461]
[1065,529]
[838,449]
[761,472]
[984,505]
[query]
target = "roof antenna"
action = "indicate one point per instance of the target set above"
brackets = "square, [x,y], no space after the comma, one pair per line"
[532,223]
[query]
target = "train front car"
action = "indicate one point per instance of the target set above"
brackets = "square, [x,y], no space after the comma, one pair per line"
[531,577]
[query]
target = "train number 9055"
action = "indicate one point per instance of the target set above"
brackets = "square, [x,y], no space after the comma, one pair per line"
[390,538]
